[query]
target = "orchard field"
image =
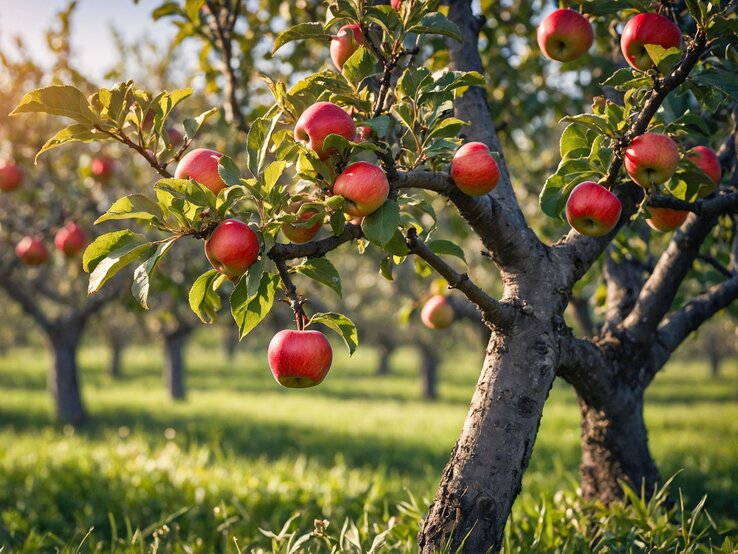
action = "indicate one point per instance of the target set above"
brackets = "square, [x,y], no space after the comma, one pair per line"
[243,455]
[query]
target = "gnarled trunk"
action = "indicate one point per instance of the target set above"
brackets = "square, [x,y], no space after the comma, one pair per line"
[615,449]
[484,474]
[63,376]
[174,369]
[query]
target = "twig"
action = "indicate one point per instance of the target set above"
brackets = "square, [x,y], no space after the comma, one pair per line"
[295,301]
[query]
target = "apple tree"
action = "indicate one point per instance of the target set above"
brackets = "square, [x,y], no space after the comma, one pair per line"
[361,150]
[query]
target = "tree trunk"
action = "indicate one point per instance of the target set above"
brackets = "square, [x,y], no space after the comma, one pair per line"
[484,474]
[714,356]
[429,361]
[230,342]
[116,359]
[63,377]
[174,370]
[386,349]
[615,449]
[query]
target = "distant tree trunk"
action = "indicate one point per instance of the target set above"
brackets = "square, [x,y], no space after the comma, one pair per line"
[63,377]
[614,450]
[230,342]
[386,348]
[116,357]
[174,370]
[715,359]
[429,361]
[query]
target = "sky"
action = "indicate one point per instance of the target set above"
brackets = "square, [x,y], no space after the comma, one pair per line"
[91,40]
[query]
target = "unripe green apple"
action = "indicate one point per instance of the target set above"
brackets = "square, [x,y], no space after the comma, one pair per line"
[651,159]
[70,239]
[201,165]
[299,359]
[31,251]
[232,248]
[11,176]
[474,170]
[320,120]
[345,43]
[592,209]
[437,313]
[364,186]
[643,29]
[565,35]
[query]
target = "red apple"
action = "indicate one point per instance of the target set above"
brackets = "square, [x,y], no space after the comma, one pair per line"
[396,4]
[706,159]
[298,232]
[174,136]
[31,251]
[320,120]
[647,28]
[364,186]
[592,209]
[11,177]
[346,42]
[102,168]
[651,159]
[70,239]
[232,247]
[365,133]
[299,359]
[565,35]
[437,313]
[474,170]
[665,219]
[201,165]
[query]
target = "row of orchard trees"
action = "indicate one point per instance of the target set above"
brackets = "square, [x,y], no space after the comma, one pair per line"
[412,116]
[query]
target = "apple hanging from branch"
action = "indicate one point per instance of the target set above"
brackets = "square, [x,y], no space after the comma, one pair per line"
[201,165]
[565,35]
[232,248]
[299,359]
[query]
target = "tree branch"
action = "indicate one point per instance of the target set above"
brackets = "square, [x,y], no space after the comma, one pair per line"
[26,301]
[315,248]
[294,300]
[715,263]
[495,313]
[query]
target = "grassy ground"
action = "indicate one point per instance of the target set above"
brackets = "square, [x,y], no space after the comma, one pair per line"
[242,453]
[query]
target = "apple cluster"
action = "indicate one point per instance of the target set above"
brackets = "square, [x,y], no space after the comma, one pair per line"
[70,240]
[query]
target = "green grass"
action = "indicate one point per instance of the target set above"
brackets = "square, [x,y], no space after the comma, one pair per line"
[242,453]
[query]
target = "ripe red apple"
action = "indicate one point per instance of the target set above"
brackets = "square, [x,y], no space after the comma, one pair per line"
[232,247]
[299,359]
[102,168]
[31,251]
[346,42]
[437,313]
[201,165]
[320,120]
[665,219]
[706,159]
[474,170]
[396,4]
[592,209]
[651,159]
[11,176]
[364,186]
[297,232]
[647,28]
[364,133]
[70,239]
[565,35]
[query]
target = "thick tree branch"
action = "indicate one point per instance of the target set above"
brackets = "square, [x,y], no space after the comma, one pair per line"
[722,204]
[495,313]
[26,301]
[624,279]
[585,366]
[315,248]
[580,250]
[680,324]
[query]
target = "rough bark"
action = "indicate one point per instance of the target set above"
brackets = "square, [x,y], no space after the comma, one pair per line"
[63,377]
[174,367]
[614,450]
[429,361]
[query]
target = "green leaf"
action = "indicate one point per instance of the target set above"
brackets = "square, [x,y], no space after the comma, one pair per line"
[272,173]
[228,171]
[73,133]
[61,100]
[192,7]
[725,81]
[300,32]
[188,190]
[337,222]
[379,226]
[250,309]
[142,274]
[192,125]
[360,65]
[133,206]
[574,142]
[113,263]
[558,186]
[590,121]
[341,325]
[104,245]
[380,125]
[257,143]
[449,127]
[446,247]
[412,80]
[665,59]
[204,300]
[322,271]
[435,23]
